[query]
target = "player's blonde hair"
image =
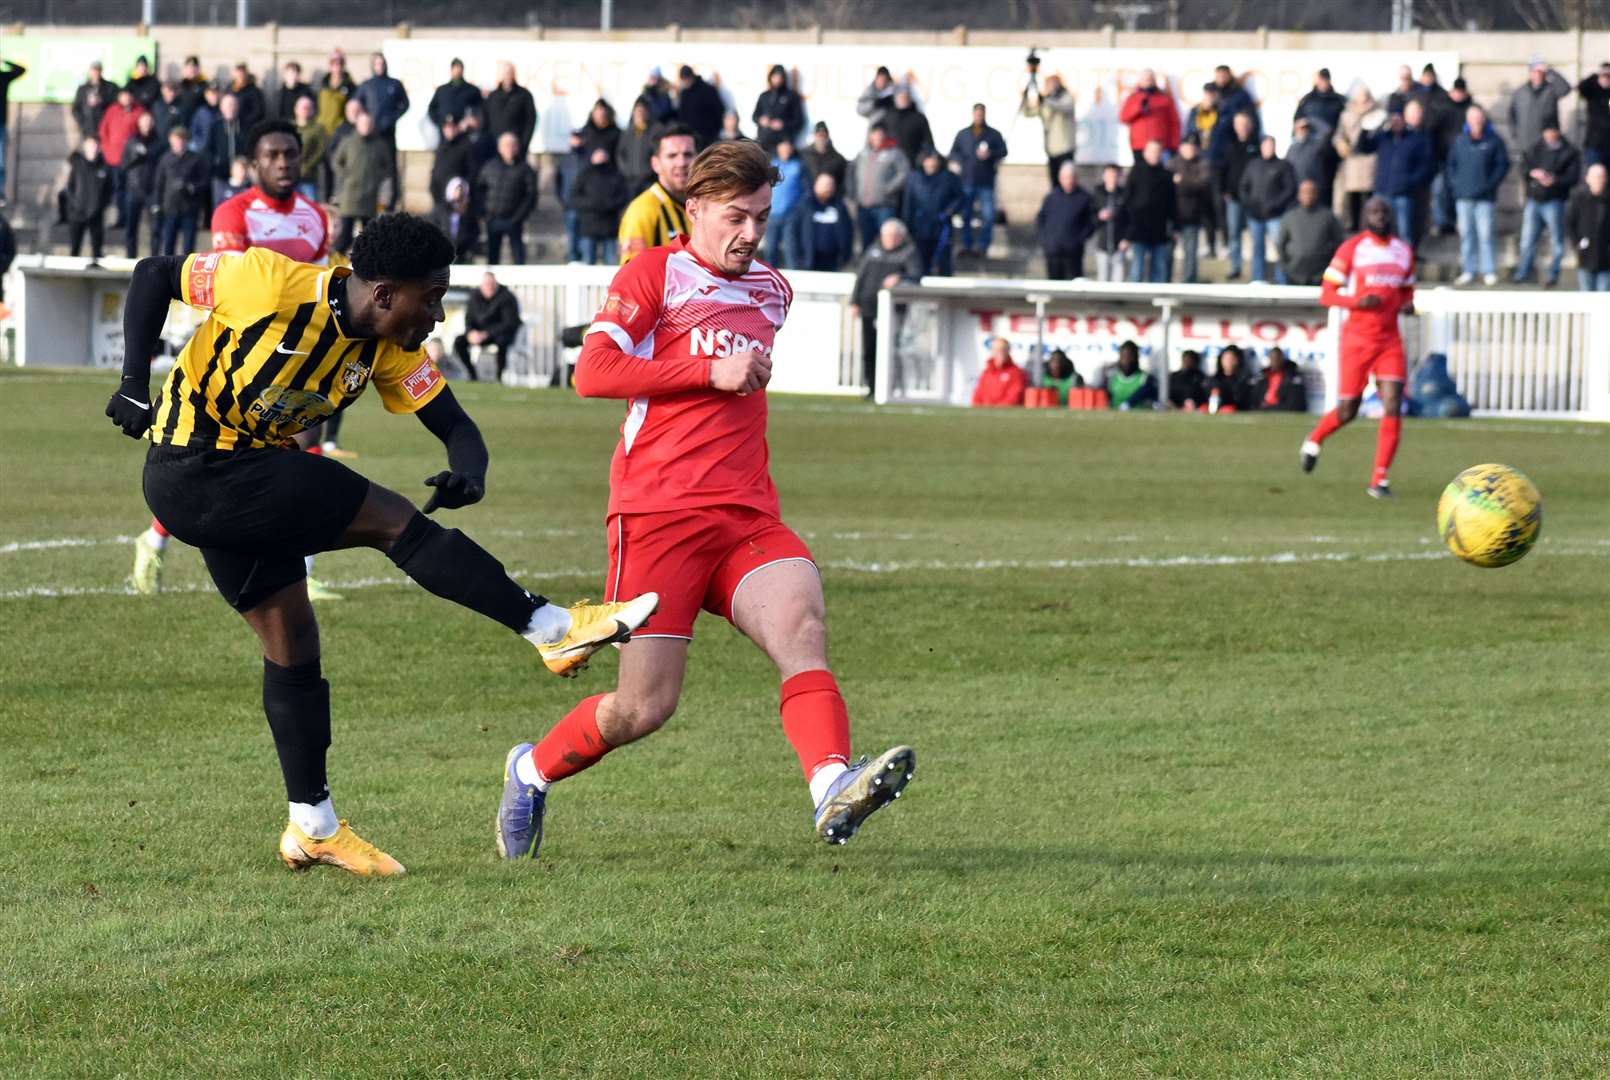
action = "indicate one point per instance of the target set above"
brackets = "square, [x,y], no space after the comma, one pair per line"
[725,170]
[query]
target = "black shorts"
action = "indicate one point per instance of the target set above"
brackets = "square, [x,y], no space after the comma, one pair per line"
[255,514]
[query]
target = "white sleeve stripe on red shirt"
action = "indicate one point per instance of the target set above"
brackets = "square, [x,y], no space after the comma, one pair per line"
[620,337]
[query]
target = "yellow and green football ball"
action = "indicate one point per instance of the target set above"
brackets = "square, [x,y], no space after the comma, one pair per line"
[1490,515]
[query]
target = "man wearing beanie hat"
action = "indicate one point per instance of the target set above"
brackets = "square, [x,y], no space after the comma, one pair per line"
[779,113]
[877,99]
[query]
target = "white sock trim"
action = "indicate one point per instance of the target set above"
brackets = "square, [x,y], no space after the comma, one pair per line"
[154,539]
[823,779]
[526,771]
[549,623]
[318,819]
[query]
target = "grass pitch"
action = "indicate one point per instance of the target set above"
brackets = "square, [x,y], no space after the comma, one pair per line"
[1222,771]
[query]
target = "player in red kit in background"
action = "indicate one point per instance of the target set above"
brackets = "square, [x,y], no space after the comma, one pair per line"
[685,338]
[1372,277]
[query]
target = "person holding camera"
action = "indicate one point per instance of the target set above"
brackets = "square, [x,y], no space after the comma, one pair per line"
[1054,108]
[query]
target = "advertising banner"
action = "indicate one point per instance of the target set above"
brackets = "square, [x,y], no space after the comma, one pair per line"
[57,65]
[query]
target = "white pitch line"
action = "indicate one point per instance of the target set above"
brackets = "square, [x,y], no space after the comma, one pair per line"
[61,542]
[1174,562]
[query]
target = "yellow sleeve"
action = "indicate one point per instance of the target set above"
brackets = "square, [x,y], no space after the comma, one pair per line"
[639,225]
[237,287]
[407,381]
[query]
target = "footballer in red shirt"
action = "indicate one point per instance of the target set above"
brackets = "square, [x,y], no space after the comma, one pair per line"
[685,339]
[1371,276]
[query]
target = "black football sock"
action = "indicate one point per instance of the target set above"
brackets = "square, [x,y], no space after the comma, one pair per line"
[456,568]
[297,702]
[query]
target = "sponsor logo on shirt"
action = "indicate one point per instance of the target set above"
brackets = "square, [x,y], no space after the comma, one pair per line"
[202,270]
[620,307]
[723,342]
[420,381]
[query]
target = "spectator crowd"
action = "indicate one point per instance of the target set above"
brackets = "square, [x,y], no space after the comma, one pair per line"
[159,154]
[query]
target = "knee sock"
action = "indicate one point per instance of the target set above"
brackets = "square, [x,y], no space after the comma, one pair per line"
[574,744]
[1386,446]
[1325,428]
[818,725]
[296,701]
[456,568]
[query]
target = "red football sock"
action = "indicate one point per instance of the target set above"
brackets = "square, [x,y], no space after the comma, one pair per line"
[815,720]
[156,527]
[574,743]
[1386,446]
[1325,428]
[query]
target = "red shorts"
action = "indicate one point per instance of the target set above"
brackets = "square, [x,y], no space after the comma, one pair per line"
[1361,359]
[695,560]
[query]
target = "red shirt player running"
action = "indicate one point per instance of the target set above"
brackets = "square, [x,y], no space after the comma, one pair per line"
[685,338]
[1372,277]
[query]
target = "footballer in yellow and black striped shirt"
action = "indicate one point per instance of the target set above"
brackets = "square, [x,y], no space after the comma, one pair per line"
[657,216]
[284,346]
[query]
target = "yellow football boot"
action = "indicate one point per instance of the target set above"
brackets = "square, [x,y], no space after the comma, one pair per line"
[345,849]
[147,575]
[319,592]
[592,626]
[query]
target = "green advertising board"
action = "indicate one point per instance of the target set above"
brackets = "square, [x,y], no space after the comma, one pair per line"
[57,65]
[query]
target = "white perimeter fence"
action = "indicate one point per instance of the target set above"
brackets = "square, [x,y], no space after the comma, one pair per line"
[1510,353]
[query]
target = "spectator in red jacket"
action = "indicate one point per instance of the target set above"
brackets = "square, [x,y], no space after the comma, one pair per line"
[118,125]
[1002,382]
[1150,113]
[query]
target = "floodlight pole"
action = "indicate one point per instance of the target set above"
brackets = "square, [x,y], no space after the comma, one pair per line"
[243,13]
[1164,304]
[606,15]
[148,12]
[1039,300]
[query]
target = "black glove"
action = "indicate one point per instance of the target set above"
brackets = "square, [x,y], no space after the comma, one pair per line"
[129,408]
[454,490]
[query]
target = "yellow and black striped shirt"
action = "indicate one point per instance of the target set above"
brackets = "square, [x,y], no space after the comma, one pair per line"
[270,360]
[650,220]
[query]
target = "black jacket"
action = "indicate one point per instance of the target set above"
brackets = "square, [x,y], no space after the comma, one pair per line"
[513,110]
[499,316]
[828,161]
[910,130]
[598,197]
[1596,104]
[285,101]
[1267,188]
[454,157]
[10,72]
[453,99]
[1115,228]
[607,139]
[90,102]
[1193,190]
[1151,204]
[784,105]
[89,188]
[252,106]
[1066,220]
[701,109]
[803,227]
[225,142]
[507,192]
[1562,160]
[1237,391]
[1587,223]
[1237,155]
[180,185]
[466,237]
[1322,109]
[1187,386]
[167,115]
[146,89]
[140,165]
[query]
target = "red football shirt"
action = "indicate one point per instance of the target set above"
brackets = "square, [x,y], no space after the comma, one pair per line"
[684,445]
[1366,266]
[295,227]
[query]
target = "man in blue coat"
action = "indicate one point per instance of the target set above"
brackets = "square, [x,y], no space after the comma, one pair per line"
[385,100]
[1478,160]
[978,150]
[1405,161]
[933,196]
